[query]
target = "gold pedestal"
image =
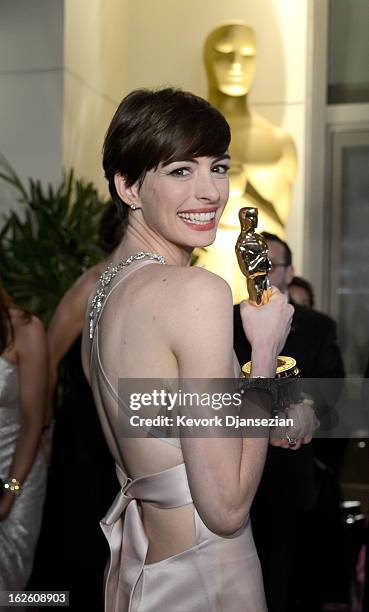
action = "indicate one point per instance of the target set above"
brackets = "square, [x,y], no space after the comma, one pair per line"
[286,368]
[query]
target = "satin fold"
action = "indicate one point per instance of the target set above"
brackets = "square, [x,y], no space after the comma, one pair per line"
[125,533]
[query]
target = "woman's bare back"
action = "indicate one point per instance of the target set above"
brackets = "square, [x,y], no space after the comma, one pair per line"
[132,345]
[135,332]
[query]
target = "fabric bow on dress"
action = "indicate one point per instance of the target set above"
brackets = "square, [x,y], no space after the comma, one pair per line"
[124,530]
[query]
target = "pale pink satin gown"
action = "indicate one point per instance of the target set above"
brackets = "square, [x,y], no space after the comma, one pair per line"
[216,574]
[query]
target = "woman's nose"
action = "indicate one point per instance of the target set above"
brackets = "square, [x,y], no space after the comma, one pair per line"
[206,187]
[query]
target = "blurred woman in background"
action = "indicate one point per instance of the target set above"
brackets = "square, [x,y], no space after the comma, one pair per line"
[82,468]
[23,378]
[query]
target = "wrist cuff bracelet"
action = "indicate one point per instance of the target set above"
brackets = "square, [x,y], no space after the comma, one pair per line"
[260,383]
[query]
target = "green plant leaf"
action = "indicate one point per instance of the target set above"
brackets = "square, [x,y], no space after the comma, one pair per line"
[50,241]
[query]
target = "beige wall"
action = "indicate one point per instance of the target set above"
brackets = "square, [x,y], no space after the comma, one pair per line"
[95,58]
[113,46]
[31,85]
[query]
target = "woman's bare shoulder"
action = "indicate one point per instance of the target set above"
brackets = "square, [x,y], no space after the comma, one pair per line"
[86,282]
[73,303]
[21,318]
[187,280]
[195,318]
[185,292]
[28,329]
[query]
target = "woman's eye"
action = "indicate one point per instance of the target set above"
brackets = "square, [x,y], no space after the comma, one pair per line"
[180,172]
[220,169]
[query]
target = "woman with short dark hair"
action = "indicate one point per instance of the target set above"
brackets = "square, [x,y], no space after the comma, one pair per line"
[301,292]
[179,532]
[23,375]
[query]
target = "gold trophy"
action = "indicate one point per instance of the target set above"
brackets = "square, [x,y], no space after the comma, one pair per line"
[252,256]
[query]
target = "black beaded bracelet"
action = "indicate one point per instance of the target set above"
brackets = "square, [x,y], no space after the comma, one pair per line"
[259,383]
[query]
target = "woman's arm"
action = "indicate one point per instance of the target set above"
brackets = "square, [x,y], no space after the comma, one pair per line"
[223,473]
[65,327]
[31,352]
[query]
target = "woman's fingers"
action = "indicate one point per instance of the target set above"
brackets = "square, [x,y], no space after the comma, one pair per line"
[268,325]
[302,430]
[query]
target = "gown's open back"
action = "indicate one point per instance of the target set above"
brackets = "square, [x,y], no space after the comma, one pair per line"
[196,570]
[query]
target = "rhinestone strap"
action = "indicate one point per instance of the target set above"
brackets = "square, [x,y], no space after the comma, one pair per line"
[106,278]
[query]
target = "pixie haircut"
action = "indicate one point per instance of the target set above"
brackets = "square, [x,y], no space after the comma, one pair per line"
[297,281]
[152,127]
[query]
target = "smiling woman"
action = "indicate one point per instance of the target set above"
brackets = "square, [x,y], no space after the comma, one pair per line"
[204,218]
[159,135]
[154,316]
[181,200]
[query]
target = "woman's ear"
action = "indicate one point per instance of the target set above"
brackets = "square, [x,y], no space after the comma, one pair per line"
[128,195]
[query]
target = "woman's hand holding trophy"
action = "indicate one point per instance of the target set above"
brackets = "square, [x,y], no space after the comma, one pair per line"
[252,256]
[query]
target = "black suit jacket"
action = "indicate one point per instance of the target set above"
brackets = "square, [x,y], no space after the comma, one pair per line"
[288,480]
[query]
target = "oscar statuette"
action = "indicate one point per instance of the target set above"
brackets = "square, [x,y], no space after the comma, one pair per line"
[252,256]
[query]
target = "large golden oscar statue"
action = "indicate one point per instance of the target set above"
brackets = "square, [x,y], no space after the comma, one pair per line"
[264,160]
